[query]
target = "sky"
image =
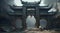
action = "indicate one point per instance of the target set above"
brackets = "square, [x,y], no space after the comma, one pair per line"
[18,2]
[43,2]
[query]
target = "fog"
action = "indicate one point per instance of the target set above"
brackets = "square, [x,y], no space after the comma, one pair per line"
[30,21]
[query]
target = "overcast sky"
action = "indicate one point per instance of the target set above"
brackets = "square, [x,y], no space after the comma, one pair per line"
[18,2]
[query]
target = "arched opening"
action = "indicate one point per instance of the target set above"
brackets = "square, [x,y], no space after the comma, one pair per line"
[30,22]
[18,23]
[43,23]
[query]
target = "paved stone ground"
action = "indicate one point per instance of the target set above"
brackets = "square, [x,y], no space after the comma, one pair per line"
[45,31]
[38,32]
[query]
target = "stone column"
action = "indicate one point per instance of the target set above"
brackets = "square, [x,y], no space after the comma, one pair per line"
[24,17]
[37,17]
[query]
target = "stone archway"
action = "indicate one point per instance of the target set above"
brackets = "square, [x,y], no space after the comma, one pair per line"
[30,22]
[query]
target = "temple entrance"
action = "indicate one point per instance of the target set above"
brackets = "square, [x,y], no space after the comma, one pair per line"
[30,22]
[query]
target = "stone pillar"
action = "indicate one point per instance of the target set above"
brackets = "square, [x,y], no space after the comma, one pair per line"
[24,17]
[37,17]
